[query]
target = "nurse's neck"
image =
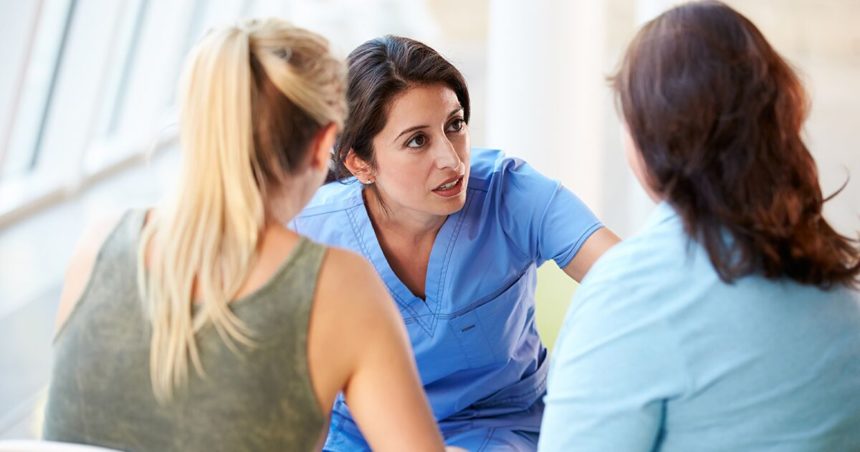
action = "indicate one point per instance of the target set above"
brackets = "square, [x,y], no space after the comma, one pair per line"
[392,220]
[406,237]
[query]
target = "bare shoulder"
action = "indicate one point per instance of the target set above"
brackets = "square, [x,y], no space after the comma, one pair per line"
[353,303]
[349,283]
[81,264]
[351,307]
[345,265]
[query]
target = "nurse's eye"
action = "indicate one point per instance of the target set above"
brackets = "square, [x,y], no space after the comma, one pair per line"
[456,125]
[417,141]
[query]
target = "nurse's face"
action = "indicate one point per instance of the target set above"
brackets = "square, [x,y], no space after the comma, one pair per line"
[422,153]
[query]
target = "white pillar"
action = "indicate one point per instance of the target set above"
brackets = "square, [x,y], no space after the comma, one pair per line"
[649,9]
[546,93]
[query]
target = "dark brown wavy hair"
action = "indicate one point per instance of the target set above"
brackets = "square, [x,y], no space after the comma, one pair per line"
[716,115]
[378,71]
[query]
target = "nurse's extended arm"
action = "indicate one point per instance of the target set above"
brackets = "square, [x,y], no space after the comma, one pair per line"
[591,250]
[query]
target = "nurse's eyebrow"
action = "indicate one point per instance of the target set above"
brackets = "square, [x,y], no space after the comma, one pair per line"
[423,126]
[411,129]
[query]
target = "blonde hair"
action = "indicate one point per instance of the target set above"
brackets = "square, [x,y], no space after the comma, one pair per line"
[253,96]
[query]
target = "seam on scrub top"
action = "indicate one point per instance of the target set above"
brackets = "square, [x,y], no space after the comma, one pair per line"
[507,285]
[583,238]
[532,394]
[420,322]
[577,244]
[487,437]
[542,218]
[363,245]
[448,251]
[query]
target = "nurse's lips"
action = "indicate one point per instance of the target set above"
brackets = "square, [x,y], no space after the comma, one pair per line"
[449,188]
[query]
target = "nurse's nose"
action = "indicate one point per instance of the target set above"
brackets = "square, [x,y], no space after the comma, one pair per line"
[446,156]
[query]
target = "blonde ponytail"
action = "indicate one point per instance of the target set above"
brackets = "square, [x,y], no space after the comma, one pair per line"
[206,236]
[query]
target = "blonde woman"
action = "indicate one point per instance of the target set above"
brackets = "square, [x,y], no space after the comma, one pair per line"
[204,324]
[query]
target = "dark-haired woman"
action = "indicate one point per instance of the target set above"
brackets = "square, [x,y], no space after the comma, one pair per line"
[732,320]
[456,235]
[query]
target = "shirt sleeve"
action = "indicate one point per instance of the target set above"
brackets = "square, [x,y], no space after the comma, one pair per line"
[544,217]
[614,369]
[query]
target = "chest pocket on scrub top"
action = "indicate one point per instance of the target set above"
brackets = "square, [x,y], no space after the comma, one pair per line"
[489,330]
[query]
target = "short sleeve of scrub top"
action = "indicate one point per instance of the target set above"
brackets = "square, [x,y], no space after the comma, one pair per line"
[546,219]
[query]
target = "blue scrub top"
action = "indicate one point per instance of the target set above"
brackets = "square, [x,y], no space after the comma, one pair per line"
[476,346]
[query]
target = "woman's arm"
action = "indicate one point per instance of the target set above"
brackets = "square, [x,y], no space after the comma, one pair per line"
[358,336]
[597,244]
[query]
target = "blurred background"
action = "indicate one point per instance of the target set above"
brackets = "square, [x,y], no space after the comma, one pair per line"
[88,119]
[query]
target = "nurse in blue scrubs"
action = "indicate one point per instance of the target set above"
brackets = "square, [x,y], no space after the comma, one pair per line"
[456,234]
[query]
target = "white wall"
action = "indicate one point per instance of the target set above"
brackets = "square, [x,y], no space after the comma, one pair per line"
[547,100]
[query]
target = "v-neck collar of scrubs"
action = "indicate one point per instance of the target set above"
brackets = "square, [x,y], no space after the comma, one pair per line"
[424,312]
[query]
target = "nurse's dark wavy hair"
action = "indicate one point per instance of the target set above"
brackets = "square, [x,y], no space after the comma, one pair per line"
[378,71]
[716,115]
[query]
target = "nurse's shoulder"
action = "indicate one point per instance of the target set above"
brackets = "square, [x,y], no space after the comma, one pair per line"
[483,163]
[492,167]
[319,219]
[494,171]
[332,197]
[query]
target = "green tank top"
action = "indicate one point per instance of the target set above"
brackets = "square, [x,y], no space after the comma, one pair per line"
[258,399]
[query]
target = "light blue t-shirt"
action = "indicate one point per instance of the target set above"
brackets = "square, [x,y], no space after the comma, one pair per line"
[474,337]
[658,354]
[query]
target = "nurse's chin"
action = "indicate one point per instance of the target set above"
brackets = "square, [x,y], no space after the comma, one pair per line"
[450,205]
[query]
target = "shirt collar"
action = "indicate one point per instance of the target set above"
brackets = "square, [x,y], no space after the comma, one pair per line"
[662,213]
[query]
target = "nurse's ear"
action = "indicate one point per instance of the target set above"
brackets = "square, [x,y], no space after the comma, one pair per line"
[359,168]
